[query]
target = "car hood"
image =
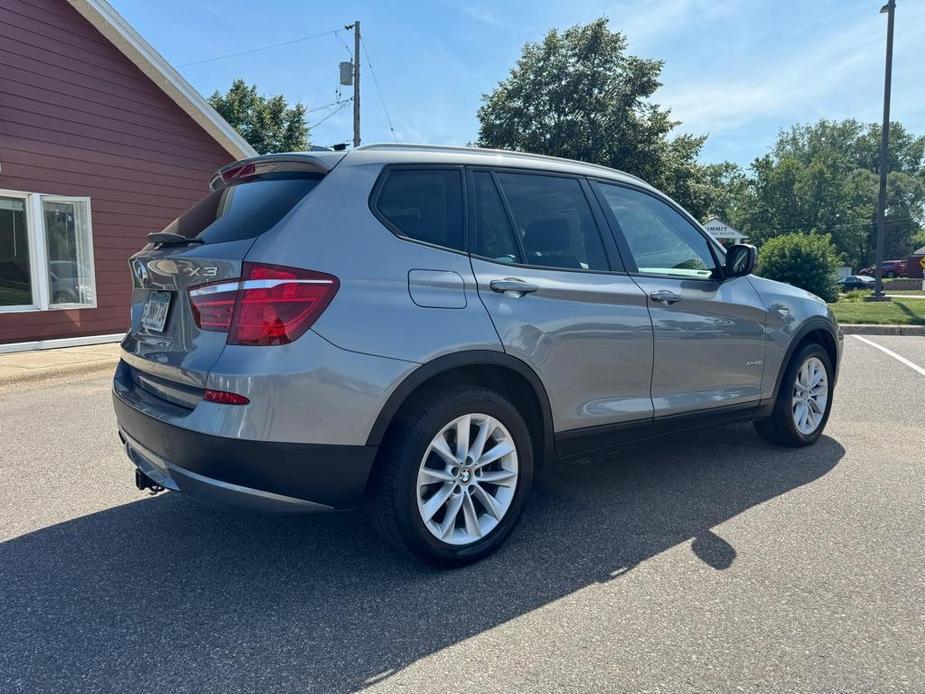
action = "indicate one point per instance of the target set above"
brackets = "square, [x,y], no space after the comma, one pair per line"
[782,290]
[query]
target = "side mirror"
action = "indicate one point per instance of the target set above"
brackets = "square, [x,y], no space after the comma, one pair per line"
[740,260]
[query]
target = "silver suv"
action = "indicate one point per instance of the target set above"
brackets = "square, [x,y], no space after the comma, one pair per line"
[423,328]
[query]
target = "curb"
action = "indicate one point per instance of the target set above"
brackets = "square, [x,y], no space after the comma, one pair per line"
[872,329]
[33,376]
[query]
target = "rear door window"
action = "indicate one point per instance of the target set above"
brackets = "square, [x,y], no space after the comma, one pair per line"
[243,210]
[553,222]
[494,236]
[424,205]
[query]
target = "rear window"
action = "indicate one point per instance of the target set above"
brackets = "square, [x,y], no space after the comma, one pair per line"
[424,205]
[243,210]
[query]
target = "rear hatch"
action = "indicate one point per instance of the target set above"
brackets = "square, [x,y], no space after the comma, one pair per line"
[166,351]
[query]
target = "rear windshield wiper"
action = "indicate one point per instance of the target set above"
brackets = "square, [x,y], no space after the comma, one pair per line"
[166,238]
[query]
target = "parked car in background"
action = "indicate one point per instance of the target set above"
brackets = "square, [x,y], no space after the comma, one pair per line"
[420,328]
[66,285]
[891,268]
[853,282]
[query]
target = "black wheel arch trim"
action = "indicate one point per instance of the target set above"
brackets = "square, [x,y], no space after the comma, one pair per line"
[451,362]
[810,325]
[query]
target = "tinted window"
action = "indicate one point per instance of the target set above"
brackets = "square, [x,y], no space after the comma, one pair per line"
[244,210]
[554,222]
[424,205]
[495,236]
[660,239]
[15,268]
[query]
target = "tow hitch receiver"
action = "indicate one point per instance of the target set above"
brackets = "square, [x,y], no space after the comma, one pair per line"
[142,481]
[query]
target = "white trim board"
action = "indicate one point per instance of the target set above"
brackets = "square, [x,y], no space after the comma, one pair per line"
[39,266]
[120,34]
[62,342]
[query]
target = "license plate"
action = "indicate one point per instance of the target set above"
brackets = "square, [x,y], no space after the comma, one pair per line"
[154,312]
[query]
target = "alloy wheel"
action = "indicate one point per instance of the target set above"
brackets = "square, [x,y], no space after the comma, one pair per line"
[467,479]
[810,396]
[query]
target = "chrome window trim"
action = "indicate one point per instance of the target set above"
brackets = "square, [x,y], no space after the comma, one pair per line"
[207,289]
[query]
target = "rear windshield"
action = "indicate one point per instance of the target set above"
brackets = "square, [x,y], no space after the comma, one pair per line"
[243,210]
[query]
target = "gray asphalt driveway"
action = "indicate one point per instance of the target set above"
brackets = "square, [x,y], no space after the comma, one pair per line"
[707,562]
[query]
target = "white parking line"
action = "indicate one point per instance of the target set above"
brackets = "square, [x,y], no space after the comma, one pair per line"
[893,354]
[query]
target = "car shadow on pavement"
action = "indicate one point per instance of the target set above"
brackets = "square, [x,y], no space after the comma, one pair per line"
[166,595]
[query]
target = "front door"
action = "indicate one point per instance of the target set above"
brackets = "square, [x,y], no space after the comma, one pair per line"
[709,332]
[558,298]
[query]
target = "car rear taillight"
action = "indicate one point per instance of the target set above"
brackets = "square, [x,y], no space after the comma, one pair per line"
[213,304]
[269,305]
[276,305]
[223,397]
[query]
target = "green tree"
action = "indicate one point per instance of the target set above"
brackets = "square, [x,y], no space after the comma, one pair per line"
[808,261]
[723,189]
[823,179]
[918,240]
[268,123]
[577,94]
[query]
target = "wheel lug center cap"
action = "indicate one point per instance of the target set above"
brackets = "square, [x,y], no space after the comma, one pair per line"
[465,476]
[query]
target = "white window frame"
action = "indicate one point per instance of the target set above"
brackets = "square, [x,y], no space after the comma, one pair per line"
[38,251]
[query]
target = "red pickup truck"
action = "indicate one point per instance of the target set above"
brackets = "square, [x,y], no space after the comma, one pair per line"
[891,268]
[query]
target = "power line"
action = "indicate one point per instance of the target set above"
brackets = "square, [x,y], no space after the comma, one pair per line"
[262,48]
[331,114]
[330,105]
[344,44]
[388,118]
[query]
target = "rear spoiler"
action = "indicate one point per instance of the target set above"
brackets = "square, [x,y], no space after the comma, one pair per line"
[303,162]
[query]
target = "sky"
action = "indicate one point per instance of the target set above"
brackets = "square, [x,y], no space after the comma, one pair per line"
[737,70]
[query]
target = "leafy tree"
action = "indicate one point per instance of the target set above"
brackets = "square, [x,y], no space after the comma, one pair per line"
[269,124]
[808,261]
[824,179]
[918,240]
[577,94]
[723,189]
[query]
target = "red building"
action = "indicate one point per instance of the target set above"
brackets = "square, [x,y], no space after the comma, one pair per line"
[101,142]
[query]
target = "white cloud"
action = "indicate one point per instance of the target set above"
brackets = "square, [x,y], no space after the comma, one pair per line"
[835,65]
[646,24]
[482,14]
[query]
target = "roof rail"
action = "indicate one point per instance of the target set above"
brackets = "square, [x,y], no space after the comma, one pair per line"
[488,151]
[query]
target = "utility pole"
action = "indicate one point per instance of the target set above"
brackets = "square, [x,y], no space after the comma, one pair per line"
[356,81]
[890,10]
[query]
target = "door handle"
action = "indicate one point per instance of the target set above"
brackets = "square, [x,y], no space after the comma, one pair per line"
[663,296]
[512,287]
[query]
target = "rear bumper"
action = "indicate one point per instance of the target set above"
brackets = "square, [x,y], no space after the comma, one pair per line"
[255,475]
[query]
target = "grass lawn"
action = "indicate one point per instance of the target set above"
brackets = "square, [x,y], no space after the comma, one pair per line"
[897,311]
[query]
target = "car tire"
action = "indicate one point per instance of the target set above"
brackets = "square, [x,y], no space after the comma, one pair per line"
[790,424]
[401,495]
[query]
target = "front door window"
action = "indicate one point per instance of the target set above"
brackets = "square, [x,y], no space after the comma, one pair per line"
[661,241]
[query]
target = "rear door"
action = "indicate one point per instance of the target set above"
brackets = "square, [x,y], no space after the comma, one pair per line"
[555,290]
[164,338]
[709,332]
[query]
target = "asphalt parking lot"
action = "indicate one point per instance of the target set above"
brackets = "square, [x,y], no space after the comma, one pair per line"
[702,563]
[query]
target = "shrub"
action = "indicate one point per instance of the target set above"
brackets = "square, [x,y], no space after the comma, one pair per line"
[856,295]
[808,261]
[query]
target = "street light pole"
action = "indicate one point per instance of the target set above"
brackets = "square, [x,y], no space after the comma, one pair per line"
[356,83]
[890,10]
